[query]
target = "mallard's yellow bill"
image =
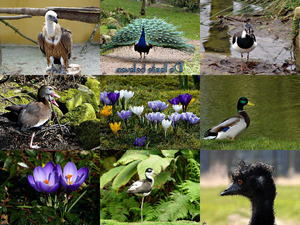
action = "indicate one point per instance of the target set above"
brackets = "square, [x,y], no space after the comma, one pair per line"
[250,103]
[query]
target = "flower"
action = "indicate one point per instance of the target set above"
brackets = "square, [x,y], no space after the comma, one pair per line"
[115,127]
[177,108]
[45,179]
[121,93]
[113,97]
[185,99]
[157,105]
[107,111]
[128,94]
[186,116]
[104,99]
[71,178]
[124,115]
[194,119]
[174,101]
[175,117]
[166,124]
[140,141]
[155,117]
[137,110]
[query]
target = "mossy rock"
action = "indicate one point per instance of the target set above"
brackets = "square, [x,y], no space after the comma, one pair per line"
[80,114]
[111,22]
[75,97]
[89,132]
[94,85]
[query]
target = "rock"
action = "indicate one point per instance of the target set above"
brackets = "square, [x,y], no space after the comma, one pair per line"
[112,32]
[75,97]
[94,85]
[89,132]
[297,37]
[111,22]
[80,114]
[107,38]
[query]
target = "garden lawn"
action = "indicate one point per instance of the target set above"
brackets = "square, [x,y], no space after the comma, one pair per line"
[149,88]
[215,209]
[261,143]
[189,23]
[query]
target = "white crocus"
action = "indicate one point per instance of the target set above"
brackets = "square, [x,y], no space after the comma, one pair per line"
[127,95]
[166,124]
[177,108]
[137,110]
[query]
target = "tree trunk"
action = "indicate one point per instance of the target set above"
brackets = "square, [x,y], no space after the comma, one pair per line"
[143,10]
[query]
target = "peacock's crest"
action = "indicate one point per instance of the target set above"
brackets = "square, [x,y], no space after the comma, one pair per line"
[157,31]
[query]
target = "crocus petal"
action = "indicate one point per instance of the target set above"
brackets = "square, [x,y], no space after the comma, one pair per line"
[82,174]
[43,186]
[70,169]
[63,182]
[53,178]
[32,183]
[39,174]
[53,188]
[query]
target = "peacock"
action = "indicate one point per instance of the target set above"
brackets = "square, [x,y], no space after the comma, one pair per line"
[145,33]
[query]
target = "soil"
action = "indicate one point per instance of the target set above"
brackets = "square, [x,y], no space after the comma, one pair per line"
[29,60]
[126,57]
[50,137]
[272,55]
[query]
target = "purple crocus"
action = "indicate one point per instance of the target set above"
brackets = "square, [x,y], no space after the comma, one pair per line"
[175,117]
[113,97]
[45,179]
[174,101]
[124,115]
[186,116]
[155,117]
[194,119]
[70,178]
[157,106]
[140,141]
[185,99]
[104,99]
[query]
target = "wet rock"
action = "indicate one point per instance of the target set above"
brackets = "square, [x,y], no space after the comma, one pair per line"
[297,37]
[94,85]
[80,114]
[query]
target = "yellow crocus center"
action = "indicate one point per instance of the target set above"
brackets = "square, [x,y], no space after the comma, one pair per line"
[107,111]
[46,182]
[69,182]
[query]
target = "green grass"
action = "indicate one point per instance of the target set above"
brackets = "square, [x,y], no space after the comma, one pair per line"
[113,222]
[189,23]
[150,88]
[216,209]
[261,143]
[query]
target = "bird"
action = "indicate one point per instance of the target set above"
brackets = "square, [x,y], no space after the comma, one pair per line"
[157,32]
[244,42]
[55,43]
[233,126]
[142,46]
[255,182]
[143,187]
[34,115]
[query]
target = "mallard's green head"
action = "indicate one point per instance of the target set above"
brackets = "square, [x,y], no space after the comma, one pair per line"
[242,102]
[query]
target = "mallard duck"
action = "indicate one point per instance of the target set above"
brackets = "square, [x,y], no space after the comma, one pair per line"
[233,126]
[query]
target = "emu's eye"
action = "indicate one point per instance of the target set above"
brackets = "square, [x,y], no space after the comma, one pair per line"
[240,182]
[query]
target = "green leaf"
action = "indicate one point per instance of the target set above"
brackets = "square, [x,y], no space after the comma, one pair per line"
[8,161]
[162,179]
[155,162]
[192,189]
[31,152]
[132,155]
[108,176]
[169,153]
[125,175]
[59,157]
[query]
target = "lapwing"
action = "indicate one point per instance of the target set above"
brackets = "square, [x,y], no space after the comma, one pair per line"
[244,42]
[143,187]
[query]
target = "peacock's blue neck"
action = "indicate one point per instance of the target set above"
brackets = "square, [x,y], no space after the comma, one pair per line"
[142,41]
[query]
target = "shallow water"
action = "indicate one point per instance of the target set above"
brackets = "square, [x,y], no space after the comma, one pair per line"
[277,99]
[216,40]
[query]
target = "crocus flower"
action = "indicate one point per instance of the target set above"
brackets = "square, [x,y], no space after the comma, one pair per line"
[157,105]
[121,93]
[194,119]
[185,99]
[186,116]
[71,178]
[155,117]
[104,99]
[140,141]
[137,110]
[175,117]
[115,127]
[45,179]
[166,124]
[128,94]
[177,108]
[174,101]
[160,116]
[107,111]
[124,115]
[113,97]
